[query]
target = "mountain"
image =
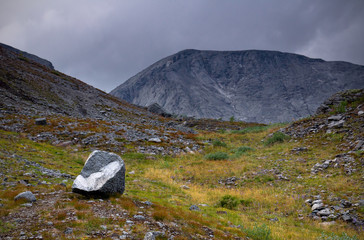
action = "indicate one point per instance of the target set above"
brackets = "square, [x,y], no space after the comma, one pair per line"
[231,180]
[30,85]
[77,112]
[253,85]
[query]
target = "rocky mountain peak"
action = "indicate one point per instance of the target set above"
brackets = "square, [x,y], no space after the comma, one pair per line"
[252,85]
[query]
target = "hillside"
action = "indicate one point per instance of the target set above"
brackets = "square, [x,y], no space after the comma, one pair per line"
[251,86]
[78,113]
[251,183]
[185,178]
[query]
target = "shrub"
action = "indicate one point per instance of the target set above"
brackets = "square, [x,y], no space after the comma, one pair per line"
[246,202]
[263,178]
[341,108]
[61,215]
[261,232]
[217,156]
[240,151]
[229,202]
[276,137]
[218,143]
[222,131]
[243,149]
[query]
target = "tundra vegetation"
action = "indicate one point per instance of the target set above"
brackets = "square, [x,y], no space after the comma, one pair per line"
[252,182]
[187,178]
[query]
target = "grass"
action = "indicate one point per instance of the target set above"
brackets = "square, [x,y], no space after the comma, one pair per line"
[218,143]
[332,236]
[259,232]
[217,156]
[253,129]
[277,137]
[240,151]
[258,196]
[161,214]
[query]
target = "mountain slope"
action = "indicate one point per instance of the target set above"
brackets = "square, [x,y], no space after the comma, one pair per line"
[15,53]
[29,86]
[78,113]
[256,86]
[258,186]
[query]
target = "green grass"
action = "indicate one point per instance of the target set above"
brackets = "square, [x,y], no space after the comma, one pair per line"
[254,129]
[277,137]
[257,197]
[259,232]
[240,151]
[217,156]
[218,143]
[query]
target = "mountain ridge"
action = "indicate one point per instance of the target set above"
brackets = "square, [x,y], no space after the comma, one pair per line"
[29,56]
[251,85]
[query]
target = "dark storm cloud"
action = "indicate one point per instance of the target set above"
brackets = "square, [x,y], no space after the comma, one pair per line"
[105,42]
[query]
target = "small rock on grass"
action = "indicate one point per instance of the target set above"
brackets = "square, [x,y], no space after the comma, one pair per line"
[152,235]
[41,121]
[139,217]
[194,208]
[148,203]
[325,224]
[157,140]
[28,196]
[68,230]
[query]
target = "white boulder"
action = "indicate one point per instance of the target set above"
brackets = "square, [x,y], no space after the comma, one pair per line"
[102,175]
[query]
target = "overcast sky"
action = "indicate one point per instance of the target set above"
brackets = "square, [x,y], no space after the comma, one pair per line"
[106,42]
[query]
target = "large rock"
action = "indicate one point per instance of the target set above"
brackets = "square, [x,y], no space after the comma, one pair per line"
[157,109]
[102,175]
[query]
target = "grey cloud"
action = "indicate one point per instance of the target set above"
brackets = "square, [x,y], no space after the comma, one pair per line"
[105,42]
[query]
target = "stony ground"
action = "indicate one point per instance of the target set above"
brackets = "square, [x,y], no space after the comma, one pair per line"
[224,180]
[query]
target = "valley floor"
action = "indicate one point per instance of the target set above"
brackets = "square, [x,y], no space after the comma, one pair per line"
[242,184]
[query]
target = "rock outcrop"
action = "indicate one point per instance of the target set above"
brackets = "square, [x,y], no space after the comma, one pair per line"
[102,175]
[253,86]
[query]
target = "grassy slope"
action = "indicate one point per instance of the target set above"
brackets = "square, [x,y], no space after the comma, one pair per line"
[159,180]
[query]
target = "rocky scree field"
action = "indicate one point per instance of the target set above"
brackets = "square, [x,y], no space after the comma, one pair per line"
[297,181]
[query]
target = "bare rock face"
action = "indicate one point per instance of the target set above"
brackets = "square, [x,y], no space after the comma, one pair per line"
[102,175]
[253,86]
